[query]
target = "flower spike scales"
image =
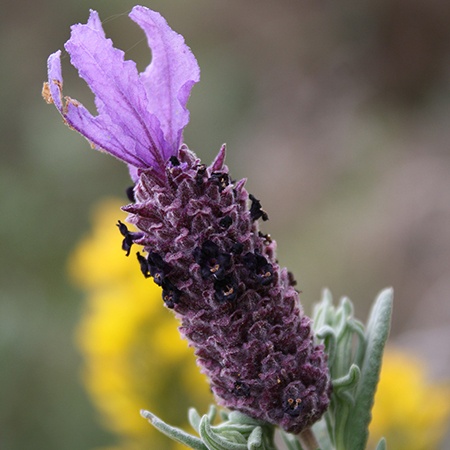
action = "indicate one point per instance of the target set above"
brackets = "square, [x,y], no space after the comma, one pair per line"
[198,228]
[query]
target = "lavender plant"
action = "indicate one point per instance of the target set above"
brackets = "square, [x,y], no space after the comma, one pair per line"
[200,239]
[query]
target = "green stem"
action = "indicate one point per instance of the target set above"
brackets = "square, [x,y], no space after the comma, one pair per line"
[307,440]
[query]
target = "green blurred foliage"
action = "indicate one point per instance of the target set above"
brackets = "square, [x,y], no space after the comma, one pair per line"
[337,112]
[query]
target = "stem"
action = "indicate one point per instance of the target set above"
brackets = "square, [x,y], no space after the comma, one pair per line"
[307,440]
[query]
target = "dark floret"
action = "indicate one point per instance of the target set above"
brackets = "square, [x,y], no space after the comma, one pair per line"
[221,178]
[256,212]
[174,161]
[154,266]
[130,194]
[128,237]
[212,261]
[226,289]
[199,177]
[237,248]
[143,263]
[225,222]
[260,269]
[170,294]
[157,267]
[241,389]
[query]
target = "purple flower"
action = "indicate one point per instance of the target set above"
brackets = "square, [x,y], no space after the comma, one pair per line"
[199,229]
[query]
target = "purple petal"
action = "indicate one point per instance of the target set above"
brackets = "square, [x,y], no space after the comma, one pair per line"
[169,78]
[134,174]
[55,79]
[124,127]
[80,119]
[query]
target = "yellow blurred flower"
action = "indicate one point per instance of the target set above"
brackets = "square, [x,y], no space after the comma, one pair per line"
[133,355]
[409,412]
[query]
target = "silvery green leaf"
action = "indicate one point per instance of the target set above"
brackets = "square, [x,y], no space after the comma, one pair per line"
[241,428]
[377,332]
[174,433]
[349,380]
[194,418]
[212,412]
[255,439]
[238,417]
[381,444]
[328,336]
[240,432]
[215,441]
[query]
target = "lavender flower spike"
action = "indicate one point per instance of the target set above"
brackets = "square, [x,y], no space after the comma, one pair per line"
[199,230]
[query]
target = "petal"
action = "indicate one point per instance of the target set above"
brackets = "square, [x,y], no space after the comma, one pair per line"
[124,126]
[105,134]
[169,78]
[55,79]
[134,174]
[99,133]
[120,97]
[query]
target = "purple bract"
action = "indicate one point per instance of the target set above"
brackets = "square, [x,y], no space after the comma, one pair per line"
[198,228]
[141,116]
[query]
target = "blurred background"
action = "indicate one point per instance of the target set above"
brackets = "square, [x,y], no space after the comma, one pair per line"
[336,112]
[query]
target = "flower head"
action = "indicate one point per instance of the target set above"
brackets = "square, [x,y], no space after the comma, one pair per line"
[199,230]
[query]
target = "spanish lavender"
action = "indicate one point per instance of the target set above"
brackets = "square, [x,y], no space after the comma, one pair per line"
[198,228]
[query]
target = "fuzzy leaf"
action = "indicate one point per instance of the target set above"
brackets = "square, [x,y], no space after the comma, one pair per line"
[174,433]
[255,439]
[349,380]
[194,418]
[215,441]
[377,332]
